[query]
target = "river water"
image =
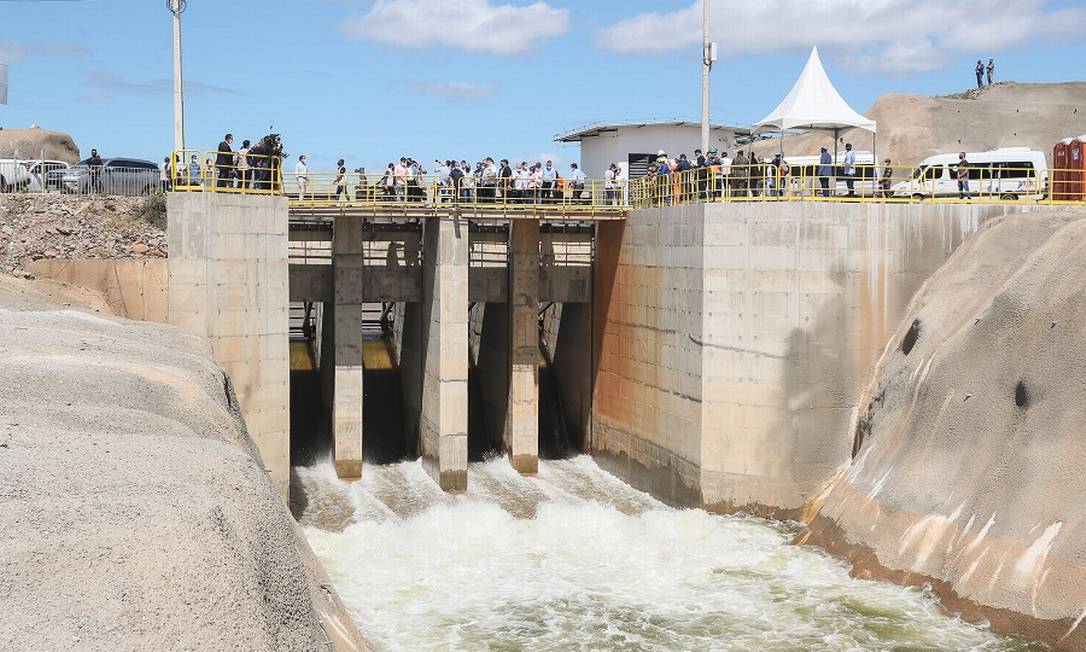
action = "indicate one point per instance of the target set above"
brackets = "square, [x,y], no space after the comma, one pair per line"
[574,559]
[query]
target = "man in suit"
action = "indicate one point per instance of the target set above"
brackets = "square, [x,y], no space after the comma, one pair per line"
[224,162]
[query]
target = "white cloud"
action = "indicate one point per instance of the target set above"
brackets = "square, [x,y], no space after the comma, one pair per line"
[905,36]
[454,91]
[15,51]
[472,25]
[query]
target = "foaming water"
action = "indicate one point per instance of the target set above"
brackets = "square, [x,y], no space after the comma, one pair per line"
[576,559]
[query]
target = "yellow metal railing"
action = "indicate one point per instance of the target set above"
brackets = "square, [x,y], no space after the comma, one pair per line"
[196,171]
[985,183]
[230,172]
[320,189]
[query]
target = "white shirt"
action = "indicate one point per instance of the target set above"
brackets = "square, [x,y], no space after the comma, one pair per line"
[301,169]
[609,178]
[577,176]
[550,174]
[850,162]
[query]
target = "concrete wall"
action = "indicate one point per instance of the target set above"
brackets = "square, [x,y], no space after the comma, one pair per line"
[734,340]
[133,288]
[228,282]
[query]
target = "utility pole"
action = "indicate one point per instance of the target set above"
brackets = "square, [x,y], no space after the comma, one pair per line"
[177,7]
[708,56]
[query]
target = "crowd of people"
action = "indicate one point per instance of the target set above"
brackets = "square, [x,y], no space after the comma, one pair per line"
[486,181]
[709,175]
[249,167]
[704,175]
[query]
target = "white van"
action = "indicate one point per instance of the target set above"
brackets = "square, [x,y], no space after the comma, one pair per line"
[1005,173]
[803,171]
[13,175]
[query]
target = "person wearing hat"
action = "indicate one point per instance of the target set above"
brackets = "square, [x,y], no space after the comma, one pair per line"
[663,179]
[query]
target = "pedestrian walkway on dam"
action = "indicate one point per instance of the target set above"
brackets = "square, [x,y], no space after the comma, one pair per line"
[318,195]
[321,196]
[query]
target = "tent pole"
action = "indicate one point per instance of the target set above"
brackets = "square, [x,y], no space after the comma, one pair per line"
[833,189]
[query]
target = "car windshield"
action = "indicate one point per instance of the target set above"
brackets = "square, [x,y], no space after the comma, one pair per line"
[919,172]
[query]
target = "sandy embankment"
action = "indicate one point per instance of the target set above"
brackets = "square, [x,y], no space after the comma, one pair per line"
[134,511]
[970,473]
[913,127]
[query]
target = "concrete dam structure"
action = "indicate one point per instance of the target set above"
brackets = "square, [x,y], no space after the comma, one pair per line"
[712,356]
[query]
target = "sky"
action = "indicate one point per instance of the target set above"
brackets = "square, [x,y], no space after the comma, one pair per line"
[373,80]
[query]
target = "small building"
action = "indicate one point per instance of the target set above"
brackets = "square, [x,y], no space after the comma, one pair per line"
[634,145]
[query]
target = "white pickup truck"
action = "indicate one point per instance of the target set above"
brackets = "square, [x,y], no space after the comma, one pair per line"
[13,175]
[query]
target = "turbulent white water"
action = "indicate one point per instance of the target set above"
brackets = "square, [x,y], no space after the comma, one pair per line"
[574,559]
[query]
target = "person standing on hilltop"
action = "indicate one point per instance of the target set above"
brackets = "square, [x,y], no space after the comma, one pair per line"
[224,162]
[990,69]
[980,74]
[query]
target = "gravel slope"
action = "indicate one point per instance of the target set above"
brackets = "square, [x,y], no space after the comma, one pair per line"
[134,511]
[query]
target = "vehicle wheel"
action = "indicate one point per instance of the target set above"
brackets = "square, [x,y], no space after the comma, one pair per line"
[1008,197]
[918,197]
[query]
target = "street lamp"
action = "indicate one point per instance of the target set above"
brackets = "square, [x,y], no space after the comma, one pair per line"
[177,7]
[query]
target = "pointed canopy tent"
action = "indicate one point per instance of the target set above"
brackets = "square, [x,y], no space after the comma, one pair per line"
[813,103]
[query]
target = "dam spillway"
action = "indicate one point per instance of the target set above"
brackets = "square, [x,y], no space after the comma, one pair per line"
[574,558]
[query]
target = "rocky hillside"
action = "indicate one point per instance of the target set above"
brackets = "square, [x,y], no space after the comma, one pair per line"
[135,512]
[33,227]
[913,127]
[35,143]
[968,474]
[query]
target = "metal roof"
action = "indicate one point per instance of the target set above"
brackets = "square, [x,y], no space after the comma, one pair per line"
[596,129]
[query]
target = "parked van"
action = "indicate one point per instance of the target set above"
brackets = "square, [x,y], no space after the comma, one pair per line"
[803,171]
[1006,173]
[13,175]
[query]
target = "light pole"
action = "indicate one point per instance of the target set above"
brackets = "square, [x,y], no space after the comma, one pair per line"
[708,56]
[177,7]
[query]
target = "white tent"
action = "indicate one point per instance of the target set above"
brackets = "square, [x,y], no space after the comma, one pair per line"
[813,103]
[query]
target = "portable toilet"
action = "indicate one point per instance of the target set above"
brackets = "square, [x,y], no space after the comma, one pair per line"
[1061,172]
[1077,166]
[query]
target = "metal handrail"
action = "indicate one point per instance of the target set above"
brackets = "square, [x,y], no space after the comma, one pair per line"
[985,183]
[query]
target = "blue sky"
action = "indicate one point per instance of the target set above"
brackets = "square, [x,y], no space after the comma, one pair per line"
[370,80]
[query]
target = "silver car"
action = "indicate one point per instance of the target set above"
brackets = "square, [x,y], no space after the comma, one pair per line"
[45,176]
[116,176]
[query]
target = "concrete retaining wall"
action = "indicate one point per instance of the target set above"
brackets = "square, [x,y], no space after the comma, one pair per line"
[133,288]
[228,282]
[733,340]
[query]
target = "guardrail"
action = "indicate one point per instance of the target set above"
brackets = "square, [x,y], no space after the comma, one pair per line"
[111,180]
[233,172]
[986,183]
[319,189]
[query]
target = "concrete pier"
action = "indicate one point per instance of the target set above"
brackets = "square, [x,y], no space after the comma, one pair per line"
[443,425]
[228,282]
[348,383]
[521,438]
